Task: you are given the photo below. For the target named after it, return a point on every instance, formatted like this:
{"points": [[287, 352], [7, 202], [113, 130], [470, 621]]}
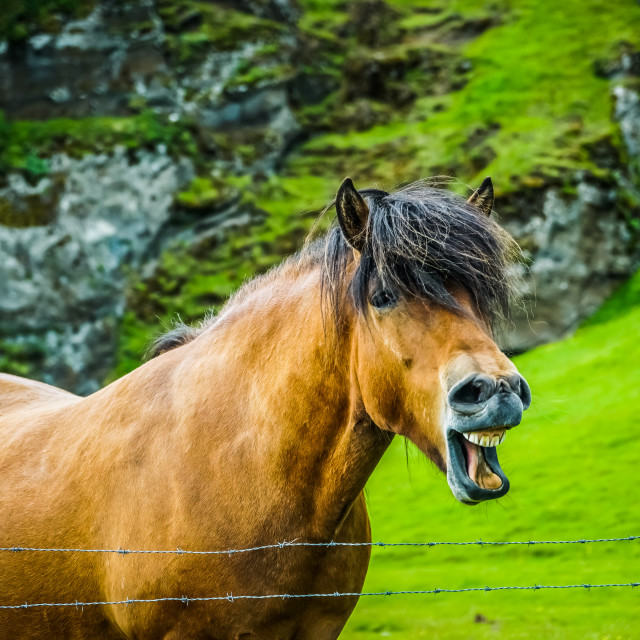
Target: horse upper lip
{"points": [[471, 409]]}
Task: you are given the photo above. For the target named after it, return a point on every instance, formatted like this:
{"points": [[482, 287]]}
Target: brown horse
{"points": [[264, 425]]}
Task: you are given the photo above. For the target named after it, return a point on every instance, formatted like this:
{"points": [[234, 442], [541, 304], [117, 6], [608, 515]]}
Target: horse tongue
{"points": [[478, 469]]}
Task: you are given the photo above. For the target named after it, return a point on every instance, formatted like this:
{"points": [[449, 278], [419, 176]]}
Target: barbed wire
{"points": [[295, 543], [284, 596]]}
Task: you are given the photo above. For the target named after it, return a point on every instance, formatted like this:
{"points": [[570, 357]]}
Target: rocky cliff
{"points": [[155, 154]]}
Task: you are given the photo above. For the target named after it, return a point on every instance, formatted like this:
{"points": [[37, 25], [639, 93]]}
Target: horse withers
{"points": [[263, 425]]}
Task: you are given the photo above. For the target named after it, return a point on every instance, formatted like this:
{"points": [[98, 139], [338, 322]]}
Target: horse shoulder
{"points": [[21, 393]]}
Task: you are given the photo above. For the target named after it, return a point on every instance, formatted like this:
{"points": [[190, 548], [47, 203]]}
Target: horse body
{"points": [[163, 459], [263, 427]]}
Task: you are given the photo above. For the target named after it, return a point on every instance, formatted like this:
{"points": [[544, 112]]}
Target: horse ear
{"points": [[483, 197], [353, 214]]}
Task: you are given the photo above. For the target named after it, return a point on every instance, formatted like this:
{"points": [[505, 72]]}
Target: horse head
{"points": [[426, 279]]}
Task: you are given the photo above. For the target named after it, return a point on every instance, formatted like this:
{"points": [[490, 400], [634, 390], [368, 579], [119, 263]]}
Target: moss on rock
{"points": [[25, 144], [255, 76], [21, 358], [19, 19], [205, 193], [196, 28], [29, 211]]}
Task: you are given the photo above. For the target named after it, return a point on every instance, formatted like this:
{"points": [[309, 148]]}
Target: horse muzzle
{"points": [[480, 410]]}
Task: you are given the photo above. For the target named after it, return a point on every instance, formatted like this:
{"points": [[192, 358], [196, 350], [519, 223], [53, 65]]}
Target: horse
{"points": [[262, 425]]}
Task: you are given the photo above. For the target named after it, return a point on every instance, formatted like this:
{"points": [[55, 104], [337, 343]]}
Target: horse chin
{"points": [[473, 471]]}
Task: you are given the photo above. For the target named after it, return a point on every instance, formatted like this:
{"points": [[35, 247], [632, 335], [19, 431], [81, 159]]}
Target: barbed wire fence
{"points": [[284, 596], [295, 543]]}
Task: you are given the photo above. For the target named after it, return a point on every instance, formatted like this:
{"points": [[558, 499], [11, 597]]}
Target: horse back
{"points": [[20, 393]]}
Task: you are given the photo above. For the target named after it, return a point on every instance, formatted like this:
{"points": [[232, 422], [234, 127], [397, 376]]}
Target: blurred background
{"points": [[156, 154]]}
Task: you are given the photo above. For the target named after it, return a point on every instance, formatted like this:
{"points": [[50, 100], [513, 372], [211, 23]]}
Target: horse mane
{"points": [[420, 240], [179, 334]]}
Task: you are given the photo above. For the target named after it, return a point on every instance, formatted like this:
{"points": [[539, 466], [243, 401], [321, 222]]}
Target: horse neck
{"points": [[274, 387]]}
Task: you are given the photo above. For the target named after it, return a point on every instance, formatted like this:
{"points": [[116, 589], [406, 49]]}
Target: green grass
{"points": [[573, 466]]}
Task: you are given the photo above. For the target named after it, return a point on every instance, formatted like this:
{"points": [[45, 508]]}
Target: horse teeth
{"points": [[485, 439], [472, 437]]}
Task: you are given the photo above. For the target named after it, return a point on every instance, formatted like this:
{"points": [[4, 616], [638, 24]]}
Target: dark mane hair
{"points": [[420, 240]]}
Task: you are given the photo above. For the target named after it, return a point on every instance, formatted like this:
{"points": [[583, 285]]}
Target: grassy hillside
{"points": [[531, 104], [386, 92], [573, 466], [466, 88]]}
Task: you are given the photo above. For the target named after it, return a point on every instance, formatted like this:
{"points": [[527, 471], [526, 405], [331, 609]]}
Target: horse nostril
{"points": [[524, 392], [518, 385], [509, 385], [473, 391], [469, 395]]}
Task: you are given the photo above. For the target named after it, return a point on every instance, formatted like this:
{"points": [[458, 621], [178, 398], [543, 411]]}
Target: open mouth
{"points": [[473, 471]]}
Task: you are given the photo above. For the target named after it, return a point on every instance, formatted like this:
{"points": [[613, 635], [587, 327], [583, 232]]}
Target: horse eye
{"points": [[383, 299]]}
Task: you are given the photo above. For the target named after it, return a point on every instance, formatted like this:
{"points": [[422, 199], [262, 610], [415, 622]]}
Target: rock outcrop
{"points": [[63, 278], [579, 249]]}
